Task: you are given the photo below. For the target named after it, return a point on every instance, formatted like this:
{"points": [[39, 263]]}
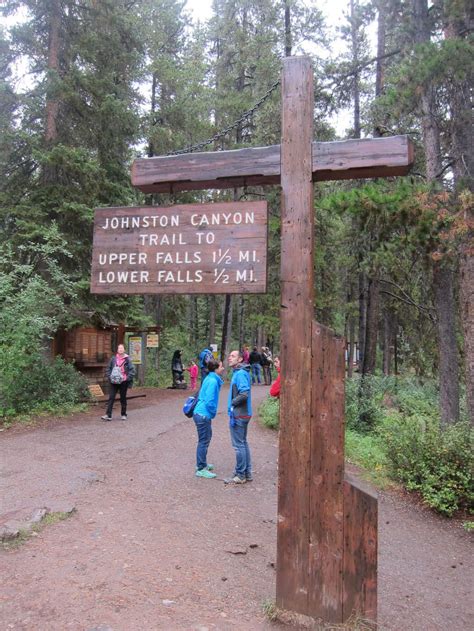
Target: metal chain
{"points": [[245, 116]]}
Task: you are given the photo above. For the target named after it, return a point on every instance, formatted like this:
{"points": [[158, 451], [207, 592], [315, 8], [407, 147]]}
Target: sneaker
{"points": [[249, 478], [124, 417], [209, 467], [205, 473], [237, 480], [106, 418]]}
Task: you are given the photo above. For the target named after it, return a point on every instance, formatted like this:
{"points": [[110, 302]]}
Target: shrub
{"points": [[269, 413], [364, 400], [436, 463]]}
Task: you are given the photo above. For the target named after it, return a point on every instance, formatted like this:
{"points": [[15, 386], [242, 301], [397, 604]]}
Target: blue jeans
{"points": [[256, 373], [204, 430], [238, 436]]}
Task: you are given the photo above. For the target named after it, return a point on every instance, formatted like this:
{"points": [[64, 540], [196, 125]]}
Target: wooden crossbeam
{"points": [[258, 166]]}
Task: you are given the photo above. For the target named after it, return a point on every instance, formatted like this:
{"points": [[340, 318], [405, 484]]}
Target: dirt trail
{"points": [[153, 547]]}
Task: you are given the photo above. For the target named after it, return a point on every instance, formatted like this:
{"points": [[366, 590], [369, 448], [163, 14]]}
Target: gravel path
{"points": [[151, 546]]}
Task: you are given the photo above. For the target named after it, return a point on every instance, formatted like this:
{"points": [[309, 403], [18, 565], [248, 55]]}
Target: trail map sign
{"points": [[190, 248], [327, 522]]}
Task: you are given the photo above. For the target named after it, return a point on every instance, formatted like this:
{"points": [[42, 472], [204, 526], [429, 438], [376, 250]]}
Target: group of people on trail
{"points": [[120, 373], [260, 361], [239, 409]]}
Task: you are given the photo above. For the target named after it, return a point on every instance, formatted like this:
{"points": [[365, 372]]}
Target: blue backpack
{"points": [[190, 404]]}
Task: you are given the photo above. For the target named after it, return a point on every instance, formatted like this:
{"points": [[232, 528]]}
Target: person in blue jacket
{"points": [[204, 412], [239, 408], [204, 356]]}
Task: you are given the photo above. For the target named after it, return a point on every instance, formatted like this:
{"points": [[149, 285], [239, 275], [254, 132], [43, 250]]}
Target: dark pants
{"points": [[114, 388], [267, 375]]}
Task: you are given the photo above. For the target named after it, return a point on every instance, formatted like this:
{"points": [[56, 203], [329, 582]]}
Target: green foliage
{"points": [[269, 412], [364, 401], [437, 463], [30, 311], [366, 450]]}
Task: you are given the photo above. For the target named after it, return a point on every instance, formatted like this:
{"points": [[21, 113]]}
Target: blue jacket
{"points": [[209, 396], [240, 398]]}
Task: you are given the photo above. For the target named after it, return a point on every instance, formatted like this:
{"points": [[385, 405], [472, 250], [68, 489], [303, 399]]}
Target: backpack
{"points": [[116, 375], [190, 405]]}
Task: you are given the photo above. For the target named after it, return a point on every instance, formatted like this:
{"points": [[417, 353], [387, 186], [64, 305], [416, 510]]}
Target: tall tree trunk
{"points": [[387, 342], [241, 321], [154, 83], [371, 330], [351, 330], [355, 61], [443, 278], [212, 319], [379, 68], [225, 326], [463, 169], [52, 100], [288, 38], [362, 317]]}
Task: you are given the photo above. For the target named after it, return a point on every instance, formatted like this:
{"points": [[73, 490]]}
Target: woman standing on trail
{"points": [[204, 412], [120, 373]]}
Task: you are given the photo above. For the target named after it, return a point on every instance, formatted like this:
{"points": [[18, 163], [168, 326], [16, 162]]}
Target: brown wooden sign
{"points": [[190, 249]]}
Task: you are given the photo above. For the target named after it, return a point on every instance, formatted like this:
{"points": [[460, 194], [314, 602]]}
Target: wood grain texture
{"points": [[360, 550], [296, 317], [258, 166], [191, 249], [327, 473]]}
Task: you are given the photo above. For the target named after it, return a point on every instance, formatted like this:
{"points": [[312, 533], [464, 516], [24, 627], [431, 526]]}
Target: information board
{"points": [[135, 349], [216, 248]]}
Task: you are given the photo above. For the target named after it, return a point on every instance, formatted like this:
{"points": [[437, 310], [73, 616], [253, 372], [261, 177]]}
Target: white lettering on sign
{"points": [[192, 248], [125, 223], [217, 219]]}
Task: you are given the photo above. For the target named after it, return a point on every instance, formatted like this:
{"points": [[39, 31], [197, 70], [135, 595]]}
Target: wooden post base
{"points": [[328, 569]]}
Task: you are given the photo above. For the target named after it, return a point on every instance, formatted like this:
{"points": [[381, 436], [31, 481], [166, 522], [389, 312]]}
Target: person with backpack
{"points": [[239, 407], [204, 412], [120, 373], [204, 357]]}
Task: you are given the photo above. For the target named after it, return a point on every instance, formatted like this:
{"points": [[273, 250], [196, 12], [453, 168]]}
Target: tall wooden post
{"points": [[296, 317], [327, 526]]}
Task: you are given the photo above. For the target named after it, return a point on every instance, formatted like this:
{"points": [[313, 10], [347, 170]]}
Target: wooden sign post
{"points": [[327, 524]]}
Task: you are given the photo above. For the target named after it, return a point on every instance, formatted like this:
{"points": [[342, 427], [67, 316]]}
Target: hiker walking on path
{"points": [[240, 412], [255, 363], [204, 412], [120, 373]]}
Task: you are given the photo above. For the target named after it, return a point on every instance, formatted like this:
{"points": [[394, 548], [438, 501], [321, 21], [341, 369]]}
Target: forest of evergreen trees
{"points": [[88, 85]]}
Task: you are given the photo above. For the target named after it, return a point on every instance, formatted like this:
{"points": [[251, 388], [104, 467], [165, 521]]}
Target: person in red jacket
{"points": [[275, 387]]}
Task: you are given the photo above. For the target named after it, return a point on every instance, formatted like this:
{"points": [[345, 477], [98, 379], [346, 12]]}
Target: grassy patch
{"points": [[26, 533], [366, 451], [39, 413]]}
